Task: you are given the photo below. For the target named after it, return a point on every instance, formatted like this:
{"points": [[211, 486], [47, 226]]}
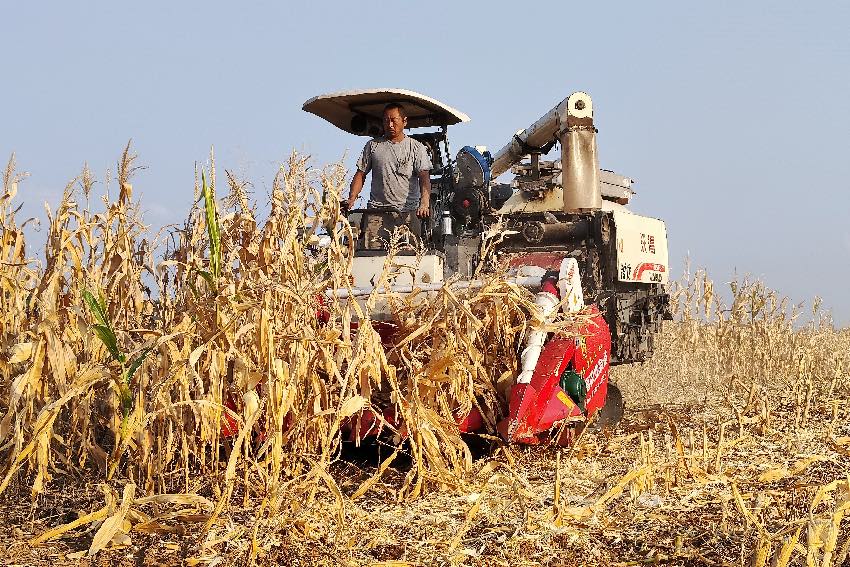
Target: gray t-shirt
{"points": [[395, 171]]}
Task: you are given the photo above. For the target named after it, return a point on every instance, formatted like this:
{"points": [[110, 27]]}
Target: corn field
{"points": [[126, 353]]}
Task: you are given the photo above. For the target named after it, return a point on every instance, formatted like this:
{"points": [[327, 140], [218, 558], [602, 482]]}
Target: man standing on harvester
{"points": [[401, 182]]}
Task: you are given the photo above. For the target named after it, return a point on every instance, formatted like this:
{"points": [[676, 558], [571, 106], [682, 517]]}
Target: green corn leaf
{"points": [[212, 227], [194, 289], [97, 308], [126, 404], [320, 267], [106, 335], [137, 362], [208, 277]]}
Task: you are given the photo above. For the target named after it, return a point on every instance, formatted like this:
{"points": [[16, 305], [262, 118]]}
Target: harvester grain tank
{"points": [[565, 231]]}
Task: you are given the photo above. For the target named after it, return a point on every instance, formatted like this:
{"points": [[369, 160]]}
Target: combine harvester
{"points": [[566, 233]]}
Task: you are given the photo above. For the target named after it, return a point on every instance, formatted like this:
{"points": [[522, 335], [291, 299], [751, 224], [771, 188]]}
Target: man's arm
{"points": [[364, 166], [356, 186], [425, 199]]}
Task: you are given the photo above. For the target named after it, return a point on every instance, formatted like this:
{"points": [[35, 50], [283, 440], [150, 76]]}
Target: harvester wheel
{"points": [[612, 412]]}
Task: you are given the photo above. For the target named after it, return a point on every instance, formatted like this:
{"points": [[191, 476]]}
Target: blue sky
{"points": [[732, 116]]}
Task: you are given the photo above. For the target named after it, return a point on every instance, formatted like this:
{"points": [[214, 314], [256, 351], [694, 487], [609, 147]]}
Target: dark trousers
{"points": [[377, 228]]}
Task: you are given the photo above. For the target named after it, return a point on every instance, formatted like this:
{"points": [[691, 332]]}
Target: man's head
{"points": [[395, 121]]}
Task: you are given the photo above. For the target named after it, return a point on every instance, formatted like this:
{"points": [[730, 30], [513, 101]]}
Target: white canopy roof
{"points": [[360, 112]]}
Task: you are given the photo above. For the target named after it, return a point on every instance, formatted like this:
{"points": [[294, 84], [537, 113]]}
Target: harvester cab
{"points": [[564, 230], [360, 113]]}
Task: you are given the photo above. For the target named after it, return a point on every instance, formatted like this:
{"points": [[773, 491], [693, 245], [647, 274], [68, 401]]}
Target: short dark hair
{"points": [[397, 106]]}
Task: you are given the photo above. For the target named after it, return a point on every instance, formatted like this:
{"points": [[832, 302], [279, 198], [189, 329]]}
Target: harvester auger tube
{"points": [[570, 122]]}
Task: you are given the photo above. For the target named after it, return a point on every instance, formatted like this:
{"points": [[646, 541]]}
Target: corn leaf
{"points": [[131, 370], [97, 307], [110, 340], [213, 232], [208, 277]]}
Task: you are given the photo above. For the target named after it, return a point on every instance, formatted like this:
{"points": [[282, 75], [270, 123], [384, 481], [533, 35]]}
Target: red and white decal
{"points": [[648, 267]]}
